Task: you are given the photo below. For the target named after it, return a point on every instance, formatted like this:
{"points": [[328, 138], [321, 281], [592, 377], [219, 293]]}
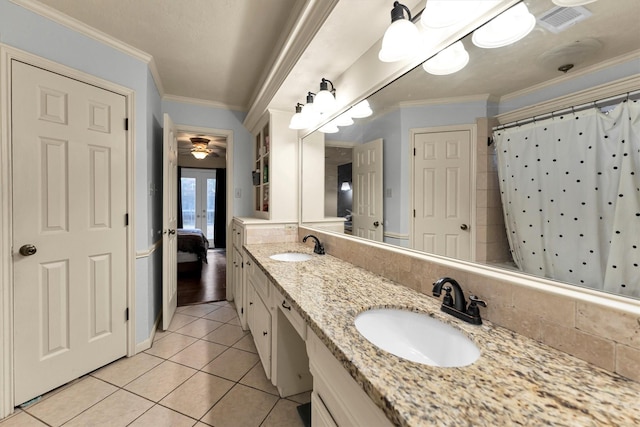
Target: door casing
{"points": [[7, 54]]}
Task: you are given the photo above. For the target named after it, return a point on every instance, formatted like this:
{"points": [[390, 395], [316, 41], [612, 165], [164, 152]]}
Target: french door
{"points": [[198, 190]]}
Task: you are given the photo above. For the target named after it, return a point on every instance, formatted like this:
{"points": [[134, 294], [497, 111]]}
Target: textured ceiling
{"points": [[214, 50]]}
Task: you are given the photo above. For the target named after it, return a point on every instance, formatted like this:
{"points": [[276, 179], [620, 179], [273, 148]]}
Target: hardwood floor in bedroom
{"points": [[210, 286]]}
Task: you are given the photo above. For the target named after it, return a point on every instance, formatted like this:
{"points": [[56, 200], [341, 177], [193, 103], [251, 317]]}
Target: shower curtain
{"points": [[570, 188]]}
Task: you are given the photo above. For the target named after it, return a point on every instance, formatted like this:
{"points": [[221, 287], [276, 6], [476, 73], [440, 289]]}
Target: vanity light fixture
{"points": [[445, 13], [361, 110], [448, 61], [505, 29], [325, 100], [200, 150], [330, 127], [309, 113], [402, 38], [344, 119], [297, 120], [572, 3]]}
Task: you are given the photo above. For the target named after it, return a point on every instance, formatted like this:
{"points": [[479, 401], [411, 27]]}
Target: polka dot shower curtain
{"points": [[571, 197]]}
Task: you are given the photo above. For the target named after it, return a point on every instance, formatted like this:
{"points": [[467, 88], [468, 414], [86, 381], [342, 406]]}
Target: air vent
{"points": [[559, 18]]}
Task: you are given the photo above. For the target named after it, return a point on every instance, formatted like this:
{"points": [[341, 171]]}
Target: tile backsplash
{"points": [[603, 336]]}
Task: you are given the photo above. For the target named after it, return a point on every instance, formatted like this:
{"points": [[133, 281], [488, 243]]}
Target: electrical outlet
{"points": [[238, 193]]}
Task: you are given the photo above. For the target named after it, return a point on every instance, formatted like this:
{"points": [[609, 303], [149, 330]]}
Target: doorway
{"points": [[203, 207]]}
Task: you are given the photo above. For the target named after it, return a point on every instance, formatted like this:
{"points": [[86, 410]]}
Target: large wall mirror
{"points": [[439, 183]]}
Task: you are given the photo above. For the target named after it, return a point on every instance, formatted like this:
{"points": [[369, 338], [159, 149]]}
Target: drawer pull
{"points": [[264, 333], [284, 305], [250, 303]]}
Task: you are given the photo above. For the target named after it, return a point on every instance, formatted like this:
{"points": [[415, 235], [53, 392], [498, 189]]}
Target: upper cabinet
{"points": [[275, 168]]}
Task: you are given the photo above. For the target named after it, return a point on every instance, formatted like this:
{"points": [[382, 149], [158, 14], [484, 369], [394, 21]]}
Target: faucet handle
{"points": [[474, 302], [448, 299]]}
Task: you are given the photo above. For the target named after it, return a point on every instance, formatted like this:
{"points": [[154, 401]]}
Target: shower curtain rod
{"points": [[600, 103]]}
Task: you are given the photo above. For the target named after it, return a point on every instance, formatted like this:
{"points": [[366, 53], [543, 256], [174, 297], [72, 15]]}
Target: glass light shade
{"points": [[401, 41], [444, 13], [310, 115], [505, 29], [360, 110], [448, 61], [343, 119], [329, 128], [298, 122], [324, 102], [572, 3], [199, 154], [345, 186]]}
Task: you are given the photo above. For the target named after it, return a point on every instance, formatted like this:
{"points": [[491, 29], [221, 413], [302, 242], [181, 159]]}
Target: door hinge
{"points": [[126, 314], [126, 124], [126, 219]]}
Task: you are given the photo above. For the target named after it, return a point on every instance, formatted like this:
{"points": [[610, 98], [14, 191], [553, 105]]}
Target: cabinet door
{"points": [[320, 416], [259, 319], [238, 286]]}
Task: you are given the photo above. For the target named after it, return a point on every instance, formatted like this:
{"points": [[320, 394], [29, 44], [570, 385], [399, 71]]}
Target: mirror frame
{"points": [[610, 300]]}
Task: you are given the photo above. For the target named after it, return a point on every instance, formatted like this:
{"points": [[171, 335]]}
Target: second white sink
{"points": [[416, 337], [291, 257]]}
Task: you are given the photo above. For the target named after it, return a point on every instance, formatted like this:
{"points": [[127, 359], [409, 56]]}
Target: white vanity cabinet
{"points": [[259, 312], [337, 400], [237, 271]]}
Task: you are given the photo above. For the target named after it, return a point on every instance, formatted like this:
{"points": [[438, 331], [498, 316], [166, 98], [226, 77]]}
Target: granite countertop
{"points": [[516, 380]]}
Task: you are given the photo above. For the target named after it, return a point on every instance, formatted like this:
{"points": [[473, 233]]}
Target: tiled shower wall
{"points": [[603, 336]]}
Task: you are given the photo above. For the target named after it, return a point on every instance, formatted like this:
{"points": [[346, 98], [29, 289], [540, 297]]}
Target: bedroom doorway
{"points": [[202, 216]]}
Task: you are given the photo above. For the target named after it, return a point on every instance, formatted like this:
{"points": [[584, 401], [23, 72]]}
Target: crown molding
{"points": [[203, 102], [81, 27], [606, 90], [570, 76], [485, 97], [312, 17]]}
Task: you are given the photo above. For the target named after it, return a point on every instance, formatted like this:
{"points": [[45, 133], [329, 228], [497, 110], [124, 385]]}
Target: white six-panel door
{"points": [[367, 191], [169, 222], [69, 206], [442, 198]]}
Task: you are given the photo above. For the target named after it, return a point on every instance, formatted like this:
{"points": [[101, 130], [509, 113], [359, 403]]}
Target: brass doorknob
{"points": [[27, 250]]}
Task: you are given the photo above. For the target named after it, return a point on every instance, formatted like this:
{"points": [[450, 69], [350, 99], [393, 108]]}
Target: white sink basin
{"points": [[291, 257], [416, 337]]}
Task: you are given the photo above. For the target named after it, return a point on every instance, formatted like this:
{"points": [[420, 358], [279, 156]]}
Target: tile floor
{"points": [[203, 371]]}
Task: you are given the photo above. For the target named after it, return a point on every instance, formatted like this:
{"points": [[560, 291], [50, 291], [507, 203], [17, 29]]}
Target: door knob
{"points": [[464, 227], [172, 231], [27, 250], [375, 224]]}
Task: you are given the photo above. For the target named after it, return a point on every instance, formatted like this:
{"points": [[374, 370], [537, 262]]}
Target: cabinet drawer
{"points": [[258, 278]]}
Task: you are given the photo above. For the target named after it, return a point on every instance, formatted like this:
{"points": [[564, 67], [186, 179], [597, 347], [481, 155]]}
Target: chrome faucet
{"points": [[455, 304], [318, 248]]}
